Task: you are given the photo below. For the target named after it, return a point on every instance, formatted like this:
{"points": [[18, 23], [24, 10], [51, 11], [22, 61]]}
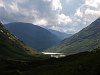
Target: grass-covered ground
{"points": [[86, 63]]}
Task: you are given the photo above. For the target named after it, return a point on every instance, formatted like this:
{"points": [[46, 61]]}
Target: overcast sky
{"points": [[68, 16]]}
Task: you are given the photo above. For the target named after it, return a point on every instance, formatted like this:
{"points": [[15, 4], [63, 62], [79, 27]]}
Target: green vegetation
{"points": [[85, 63], [13, 48]]}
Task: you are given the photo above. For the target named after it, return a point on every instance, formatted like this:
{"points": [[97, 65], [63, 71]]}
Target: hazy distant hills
{"points": [[85, 40], [33, 35], [12, 48], [59, 34]]}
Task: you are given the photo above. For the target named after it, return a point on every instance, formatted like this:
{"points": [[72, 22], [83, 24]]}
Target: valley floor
{"points": [[85, 63]]}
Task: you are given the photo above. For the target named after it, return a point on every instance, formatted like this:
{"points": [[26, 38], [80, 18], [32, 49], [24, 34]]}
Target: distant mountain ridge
{"points": [[85, 40], [33, 35], [59, 34]]}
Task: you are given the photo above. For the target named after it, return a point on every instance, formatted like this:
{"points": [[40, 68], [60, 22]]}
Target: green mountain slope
{"points": [[85, 40], [11, 47]]}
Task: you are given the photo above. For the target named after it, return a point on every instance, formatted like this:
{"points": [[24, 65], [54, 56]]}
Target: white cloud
{"points": [[56, 5], [92, 3], [64, 19], [1, 3], [87, 12], [14, 7], [93, 9], [79, 13], [92, 12], [41, 22], [47, 0], [63, 15]]}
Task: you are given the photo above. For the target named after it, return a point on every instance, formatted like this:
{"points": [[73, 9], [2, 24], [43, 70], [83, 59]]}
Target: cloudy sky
{"points": [[68, 16]]}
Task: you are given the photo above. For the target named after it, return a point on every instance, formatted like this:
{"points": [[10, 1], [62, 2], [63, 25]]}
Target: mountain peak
{"points": [[96, 22]]}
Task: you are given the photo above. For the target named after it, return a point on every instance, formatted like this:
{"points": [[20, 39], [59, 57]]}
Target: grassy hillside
{"points": [[85, 40], [11, 47], [85, 63]]}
